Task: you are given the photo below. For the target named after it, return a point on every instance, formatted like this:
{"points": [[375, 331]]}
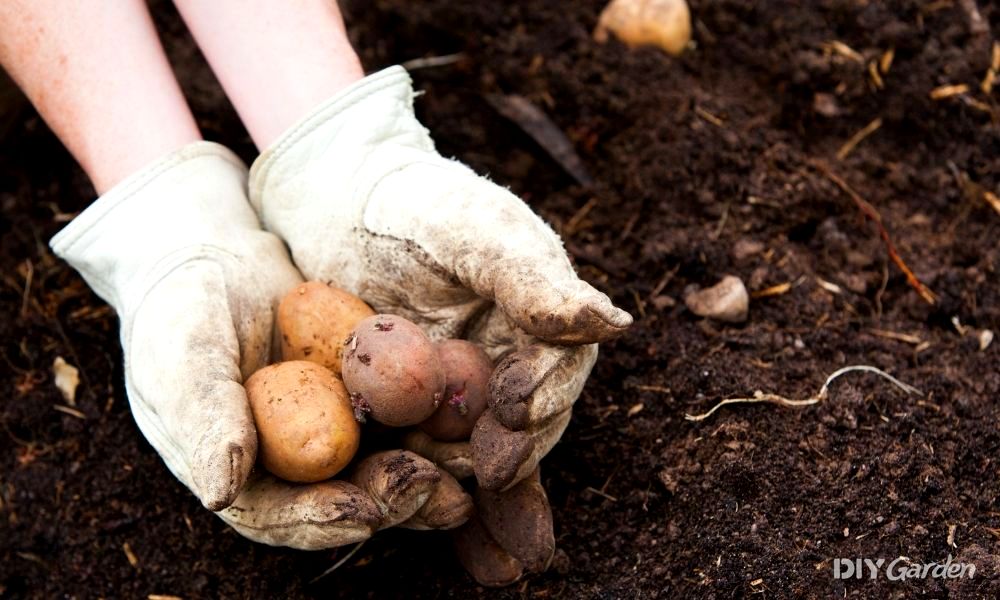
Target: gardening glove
{"points": [[179, 254], [511, 533], [498, 536], [365, 203]]}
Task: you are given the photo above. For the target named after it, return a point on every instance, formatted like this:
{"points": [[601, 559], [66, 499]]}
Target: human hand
{"points": [[179, 254], [365, 203]]}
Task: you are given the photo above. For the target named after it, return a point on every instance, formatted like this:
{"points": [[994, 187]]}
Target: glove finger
{"points": [[534, 383], [503, 457], [453, 457], [447, 508], [488, 563], [307, 517], [398, 481], [183, 377], [520, 520], [472, 229]]}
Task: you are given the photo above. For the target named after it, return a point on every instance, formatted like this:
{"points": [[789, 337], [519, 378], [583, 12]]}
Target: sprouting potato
{"points": [[467, 372], [314, 318], [392, 371], [305, 424]]}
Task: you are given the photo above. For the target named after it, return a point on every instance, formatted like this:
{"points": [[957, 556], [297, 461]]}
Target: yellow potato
{"points": [[314, 319], [306, 429]]}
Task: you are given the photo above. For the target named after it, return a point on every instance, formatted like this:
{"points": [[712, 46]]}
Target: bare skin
{"points": [[97, 74], [276, 62]]}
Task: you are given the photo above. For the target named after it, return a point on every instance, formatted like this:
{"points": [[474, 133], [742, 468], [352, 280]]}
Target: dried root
{"points": [[760, 396]]}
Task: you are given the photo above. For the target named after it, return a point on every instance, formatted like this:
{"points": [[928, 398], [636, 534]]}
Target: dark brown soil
{"points": [[693, 160]]}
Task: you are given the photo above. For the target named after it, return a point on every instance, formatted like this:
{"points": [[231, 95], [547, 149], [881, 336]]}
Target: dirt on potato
{"points": [[702, 166]]}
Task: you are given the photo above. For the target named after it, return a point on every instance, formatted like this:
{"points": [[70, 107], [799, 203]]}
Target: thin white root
{"points": [[760, 396], [339, 563]]}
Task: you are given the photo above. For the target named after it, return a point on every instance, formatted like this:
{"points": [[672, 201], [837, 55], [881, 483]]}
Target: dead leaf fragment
{"points": [[537, 124], [67, 378]]}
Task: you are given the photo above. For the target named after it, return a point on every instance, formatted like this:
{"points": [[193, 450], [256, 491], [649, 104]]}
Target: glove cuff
{"points": [[180, 200], [339, 133]]}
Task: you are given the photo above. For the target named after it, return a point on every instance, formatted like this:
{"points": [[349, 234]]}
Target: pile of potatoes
{"points": [[342, 364]]}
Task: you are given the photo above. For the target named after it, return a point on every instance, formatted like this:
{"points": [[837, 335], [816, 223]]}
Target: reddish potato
{"points": [[305, 426], [467, 372], [392, 371], [314, 319]]}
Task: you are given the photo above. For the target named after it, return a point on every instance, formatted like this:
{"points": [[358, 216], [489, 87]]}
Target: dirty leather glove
{"points": [[364, 202], [510, 534], [178, 252]]}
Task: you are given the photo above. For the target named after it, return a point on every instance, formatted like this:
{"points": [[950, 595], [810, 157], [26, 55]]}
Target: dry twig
{"points": [[947, 91], [540, 127], [760, 396], [426, 62], [872, 213], [991, 74], [858, 137]]}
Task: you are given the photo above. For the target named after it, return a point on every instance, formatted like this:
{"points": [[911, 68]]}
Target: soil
{"points": [[702, 166]]}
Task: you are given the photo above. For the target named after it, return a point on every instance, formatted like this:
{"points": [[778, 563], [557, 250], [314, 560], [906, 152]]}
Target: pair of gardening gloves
{"points": [[358, 196]]}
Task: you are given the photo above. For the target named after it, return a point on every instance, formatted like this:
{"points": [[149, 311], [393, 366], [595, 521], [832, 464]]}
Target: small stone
{"points": [[725, 301], [745, 248], [663, 301], [826, 104], [855, 282], [985, 339]]}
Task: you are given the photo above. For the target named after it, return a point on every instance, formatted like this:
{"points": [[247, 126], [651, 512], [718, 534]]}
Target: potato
{"points": [[467, 372], [305, 425], [662, 23], [392, 371], [314, 319]]}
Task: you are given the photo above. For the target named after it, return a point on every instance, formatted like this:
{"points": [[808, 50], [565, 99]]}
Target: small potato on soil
{"points": [[314, 318], [305, 424], [467, 374], [392, 371]]}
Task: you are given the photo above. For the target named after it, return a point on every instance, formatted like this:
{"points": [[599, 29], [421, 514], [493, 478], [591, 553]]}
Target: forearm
{"points": [[277, 61], [96, 73]]}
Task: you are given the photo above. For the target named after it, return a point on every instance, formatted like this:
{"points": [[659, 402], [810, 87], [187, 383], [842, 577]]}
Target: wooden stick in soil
{"points": [[821, 395], [872, 213]]}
